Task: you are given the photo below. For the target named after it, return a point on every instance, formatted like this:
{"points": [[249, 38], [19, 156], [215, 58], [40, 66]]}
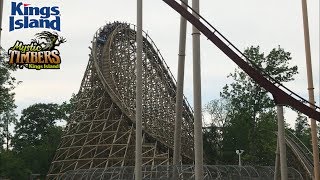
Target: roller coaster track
{"points": [[281, 94], [301, 152], [100, 133]]}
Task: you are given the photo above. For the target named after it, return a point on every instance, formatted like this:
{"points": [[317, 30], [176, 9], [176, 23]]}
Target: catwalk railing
{"points": [[281, 94]]}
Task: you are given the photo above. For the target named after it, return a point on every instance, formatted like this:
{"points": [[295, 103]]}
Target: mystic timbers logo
{"points": [[28, 16], [41, 53]]}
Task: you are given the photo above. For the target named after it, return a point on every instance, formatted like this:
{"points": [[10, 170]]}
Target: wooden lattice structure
{"points": [[101, 130]]}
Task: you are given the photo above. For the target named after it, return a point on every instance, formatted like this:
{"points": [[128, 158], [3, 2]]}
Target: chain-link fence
{"points": [[185, 172]]}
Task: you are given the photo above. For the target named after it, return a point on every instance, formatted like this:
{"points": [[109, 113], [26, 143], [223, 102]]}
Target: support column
{"points": [[198, 141], [282, 143], [277, 163], [179, 93], [138, 153], [315, 148]]}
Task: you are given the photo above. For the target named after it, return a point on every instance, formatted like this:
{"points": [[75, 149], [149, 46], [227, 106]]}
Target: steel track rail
{"points": [[281, 94]]}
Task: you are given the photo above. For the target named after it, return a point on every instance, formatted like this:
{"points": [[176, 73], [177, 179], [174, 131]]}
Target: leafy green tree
{"points": [[7, 105], [33, 159], [35, 123], [252, 119], [8, 118], [38, 158], [37, 135], [12, 166], [211, 144], [218, 112], [303, 131], [213, 133], [67, 107]]}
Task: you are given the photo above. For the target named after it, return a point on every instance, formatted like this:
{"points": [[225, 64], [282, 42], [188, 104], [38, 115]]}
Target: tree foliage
{"points": [[37, 135], [35, 124], [213, 134], [250, 119], [7, 105], [12, 166], [303, 131], [7, 84]]}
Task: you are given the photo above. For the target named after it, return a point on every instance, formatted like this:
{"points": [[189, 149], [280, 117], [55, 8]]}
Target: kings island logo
{"points": [[41, 53], [27, 16]]}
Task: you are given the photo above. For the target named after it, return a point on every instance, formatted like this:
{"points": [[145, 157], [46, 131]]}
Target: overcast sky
{"points": [[267, 23]]}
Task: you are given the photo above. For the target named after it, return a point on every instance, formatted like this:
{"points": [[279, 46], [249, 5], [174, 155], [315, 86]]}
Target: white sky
{"points": [[245, 23]]}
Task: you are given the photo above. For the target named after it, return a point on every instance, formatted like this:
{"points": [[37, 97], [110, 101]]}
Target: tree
{"points": [[7, 106], [213, 134], [8, 118], [252, 119], [37, 135], [37, 158], [68, 107], [35, 123], [12, 166], [302, 130], [218, 111]]}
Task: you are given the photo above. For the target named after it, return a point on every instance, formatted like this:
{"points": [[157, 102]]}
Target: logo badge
{"points": [[41, 53], [28, 16]]}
